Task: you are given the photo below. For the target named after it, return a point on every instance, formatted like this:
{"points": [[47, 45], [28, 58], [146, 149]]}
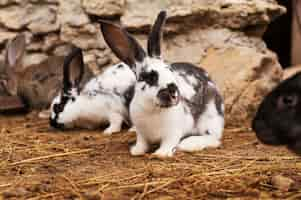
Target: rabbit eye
{"points": [[287, 101], [151, 78]]}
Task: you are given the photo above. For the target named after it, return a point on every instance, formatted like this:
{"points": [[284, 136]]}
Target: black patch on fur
{"points": [[151, 78], [187, 69], [218, 103], [143, 87], [120, 66], [57, 109]]}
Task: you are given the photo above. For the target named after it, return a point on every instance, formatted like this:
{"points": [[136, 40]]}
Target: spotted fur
{"points": [[176, 105], [103, 100]]}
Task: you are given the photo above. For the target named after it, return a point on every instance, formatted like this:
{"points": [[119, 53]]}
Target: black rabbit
{"points": [[278, 119]]}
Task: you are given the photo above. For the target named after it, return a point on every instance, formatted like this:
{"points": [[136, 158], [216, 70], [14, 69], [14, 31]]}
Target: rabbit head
{"points": [[12, 66], [278, 119], [156, 83], [63, 106]]}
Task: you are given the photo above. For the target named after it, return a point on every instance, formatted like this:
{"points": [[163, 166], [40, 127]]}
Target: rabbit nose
{"points": [[172, 88]]}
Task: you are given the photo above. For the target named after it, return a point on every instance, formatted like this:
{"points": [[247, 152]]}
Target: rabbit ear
{"points": [[123, 45], [15, 51], [73, 69], [155, 36]]}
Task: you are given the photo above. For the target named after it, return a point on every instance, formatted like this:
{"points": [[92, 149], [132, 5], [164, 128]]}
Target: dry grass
{"points": [[37, 163]]}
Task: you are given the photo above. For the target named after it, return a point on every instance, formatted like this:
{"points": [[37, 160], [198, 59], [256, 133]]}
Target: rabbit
{"points": [[103, 100], [175, 105], [37, 84], [278, 118]]}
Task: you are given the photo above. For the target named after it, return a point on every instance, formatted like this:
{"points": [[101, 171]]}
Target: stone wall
{"points": [[224, 36]]}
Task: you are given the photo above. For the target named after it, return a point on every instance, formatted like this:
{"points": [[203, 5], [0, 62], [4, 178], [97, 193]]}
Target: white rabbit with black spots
{"points": [[175, 105], [103, 100]]}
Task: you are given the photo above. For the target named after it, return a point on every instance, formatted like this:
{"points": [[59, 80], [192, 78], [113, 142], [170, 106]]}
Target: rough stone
{"points": [[97, 59], [35, 45], [37, 18], [44, 44], [62, 50], [43, 19], [220, 13], [51, 41], [244, 77], [34, 58], [13, 17], [192, 46], [71, 13], [104, 8], [85, 37]]}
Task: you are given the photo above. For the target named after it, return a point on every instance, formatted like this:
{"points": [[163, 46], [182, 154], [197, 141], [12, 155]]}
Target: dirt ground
{"points": [[39, 163]]}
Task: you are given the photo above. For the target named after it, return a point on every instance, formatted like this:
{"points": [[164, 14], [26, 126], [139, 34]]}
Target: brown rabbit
{"points": [[36, 84]]}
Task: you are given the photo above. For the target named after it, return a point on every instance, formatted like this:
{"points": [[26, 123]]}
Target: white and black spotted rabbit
{"points": [[103, 100], [175, 105]]}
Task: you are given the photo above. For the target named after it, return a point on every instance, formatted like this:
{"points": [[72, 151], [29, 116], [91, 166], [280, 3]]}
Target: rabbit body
{"points": [[175, 105], [196, 122], [278, 119], [103, 100]]}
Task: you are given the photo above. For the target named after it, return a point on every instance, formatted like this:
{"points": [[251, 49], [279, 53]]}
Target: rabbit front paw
{"points": [[164, 152]]}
